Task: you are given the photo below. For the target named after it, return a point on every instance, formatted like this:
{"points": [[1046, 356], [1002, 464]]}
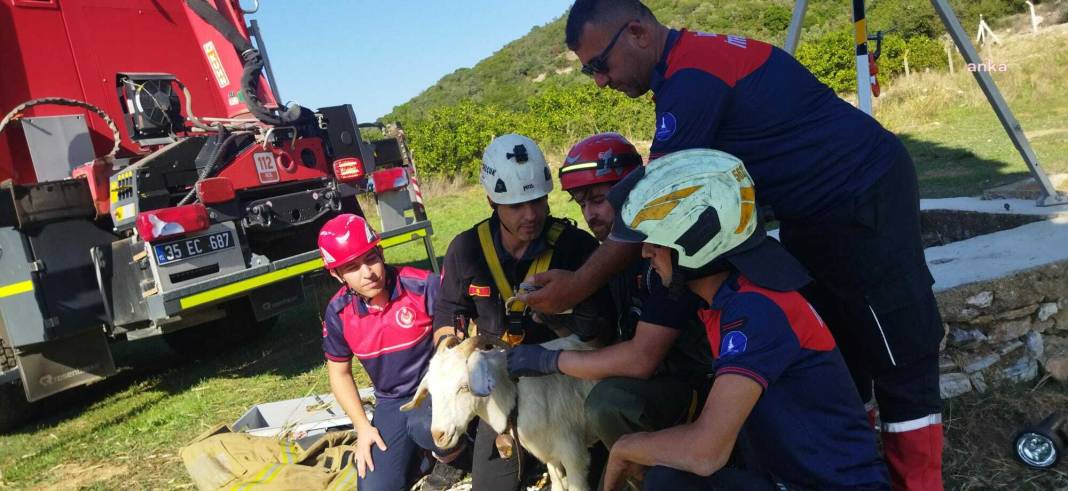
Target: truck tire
{"points": [[239, 326], [14, 408], [7, 356]]}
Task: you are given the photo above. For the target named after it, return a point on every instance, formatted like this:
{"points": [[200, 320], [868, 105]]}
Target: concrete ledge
{"points": [[1014, 206], [1000, 254]]}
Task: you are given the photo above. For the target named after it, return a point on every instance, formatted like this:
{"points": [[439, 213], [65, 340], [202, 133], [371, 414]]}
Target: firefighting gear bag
{"points": [[222, 460]]}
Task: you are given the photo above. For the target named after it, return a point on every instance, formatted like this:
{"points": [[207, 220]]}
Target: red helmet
{"points": [[601, 158], [345, 238]]}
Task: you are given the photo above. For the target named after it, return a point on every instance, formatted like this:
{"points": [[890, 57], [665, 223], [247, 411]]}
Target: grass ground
{"points": [[125, 432], [959, 145]]}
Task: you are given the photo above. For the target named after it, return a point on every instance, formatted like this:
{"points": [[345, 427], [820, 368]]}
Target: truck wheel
{"points": [[7, 356], [14, 408], [239, 326]]}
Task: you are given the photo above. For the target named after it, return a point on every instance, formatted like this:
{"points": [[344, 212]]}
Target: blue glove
{"points": [[531, 360]]}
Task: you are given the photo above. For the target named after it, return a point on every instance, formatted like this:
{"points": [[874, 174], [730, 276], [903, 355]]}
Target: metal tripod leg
{"points": [[793, 36], [430, 253], [1050, 195], [860, 30]]}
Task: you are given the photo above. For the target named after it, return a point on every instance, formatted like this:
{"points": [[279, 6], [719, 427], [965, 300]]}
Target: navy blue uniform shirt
{"points": [[809, 426], [805, 148]]}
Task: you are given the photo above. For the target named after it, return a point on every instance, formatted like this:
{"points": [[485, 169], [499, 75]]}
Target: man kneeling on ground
{"points": [[382, 316], [782, 393], [654, 377]]}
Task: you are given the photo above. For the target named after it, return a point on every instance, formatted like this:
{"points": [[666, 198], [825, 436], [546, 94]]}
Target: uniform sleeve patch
{"points": [[474, 290], [733, 343], [666, 124]]}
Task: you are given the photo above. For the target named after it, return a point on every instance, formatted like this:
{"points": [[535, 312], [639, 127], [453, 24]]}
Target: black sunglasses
{"points": [[598, 64]]}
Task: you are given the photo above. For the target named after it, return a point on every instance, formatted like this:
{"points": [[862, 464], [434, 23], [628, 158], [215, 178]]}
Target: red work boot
{"points": [[913, 451]]}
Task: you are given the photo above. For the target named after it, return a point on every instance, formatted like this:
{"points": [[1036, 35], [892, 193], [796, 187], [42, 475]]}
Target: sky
{"points": [[376, 55]]}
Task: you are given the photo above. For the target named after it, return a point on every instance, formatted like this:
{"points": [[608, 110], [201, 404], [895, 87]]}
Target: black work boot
{"points": [[446, 475], [443, 477]]}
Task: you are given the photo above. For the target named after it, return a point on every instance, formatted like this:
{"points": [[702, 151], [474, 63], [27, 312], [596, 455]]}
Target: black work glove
{"points": [[531, 360]]}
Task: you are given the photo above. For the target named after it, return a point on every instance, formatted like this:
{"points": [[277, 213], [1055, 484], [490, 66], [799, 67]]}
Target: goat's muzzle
{"points": [[444, 439]]}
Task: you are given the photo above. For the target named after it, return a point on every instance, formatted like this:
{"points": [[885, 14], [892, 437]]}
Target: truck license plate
{"points": [[196, 246]]}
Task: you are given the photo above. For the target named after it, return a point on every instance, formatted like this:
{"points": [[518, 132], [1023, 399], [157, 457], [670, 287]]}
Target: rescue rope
{"points": [[15, 113]]}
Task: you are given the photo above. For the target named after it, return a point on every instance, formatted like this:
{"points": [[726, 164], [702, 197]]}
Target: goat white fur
{"points": [[550, 422]]}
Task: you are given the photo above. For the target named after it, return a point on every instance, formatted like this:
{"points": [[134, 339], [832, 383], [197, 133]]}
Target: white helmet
{"points": [[514, 170], [702, 204]]}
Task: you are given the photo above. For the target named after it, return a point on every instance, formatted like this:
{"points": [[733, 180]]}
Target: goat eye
{"points": [[463, 388]]}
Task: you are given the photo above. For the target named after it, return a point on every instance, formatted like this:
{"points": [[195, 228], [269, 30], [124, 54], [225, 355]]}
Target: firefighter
{"points": [[382, 316], [485, 265], [777, 371], [842, 187], [654, 377]]}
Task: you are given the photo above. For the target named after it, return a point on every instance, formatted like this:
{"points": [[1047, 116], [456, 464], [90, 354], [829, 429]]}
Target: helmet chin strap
{"points": [[680, 275], [677, 287]]}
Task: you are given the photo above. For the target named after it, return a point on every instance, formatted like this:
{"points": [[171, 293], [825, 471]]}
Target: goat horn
{"points": [[469, 345], [491, 340], [447, 342]]}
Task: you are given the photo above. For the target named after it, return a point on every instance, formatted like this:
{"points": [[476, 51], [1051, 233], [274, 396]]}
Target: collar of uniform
{"points": [[392, 284], [661, 67], [726, 290], [539, 245]]}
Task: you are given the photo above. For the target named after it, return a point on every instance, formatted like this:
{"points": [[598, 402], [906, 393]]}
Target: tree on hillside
{"points": [[532, 85]]}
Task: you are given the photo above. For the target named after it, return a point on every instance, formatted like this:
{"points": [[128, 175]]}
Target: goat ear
{"points": [[480, 374], [418, 398]]}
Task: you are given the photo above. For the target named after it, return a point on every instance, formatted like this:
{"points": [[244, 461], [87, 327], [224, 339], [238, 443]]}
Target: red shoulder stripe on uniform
{"points": [[726, 57], [811, 331], [710, 318]]}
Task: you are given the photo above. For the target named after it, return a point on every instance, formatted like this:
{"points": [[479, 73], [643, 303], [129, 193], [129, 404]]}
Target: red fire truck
{"points": [[150, 184]]}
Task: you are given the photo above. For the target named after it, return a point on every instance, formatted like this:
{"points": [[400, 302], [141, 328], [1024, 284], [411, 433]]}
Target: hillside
{"points": [[539, 60], [533, 86]]}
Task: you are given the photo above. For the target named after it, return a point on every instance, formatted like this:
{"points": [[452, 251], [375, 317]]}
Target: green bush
{"points": [[449, 141], [499, 94], [830, 58], [925, 53], [891, 62], [560, 116]]}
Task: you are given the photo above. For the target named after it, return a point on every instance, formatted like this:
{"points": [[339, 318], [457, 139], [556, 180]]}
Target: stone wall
{"points": [[1008, 330]]}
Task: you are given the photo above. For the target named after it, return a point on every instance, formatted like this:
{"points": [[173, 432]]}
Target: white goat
{"points": [[470, 378]]}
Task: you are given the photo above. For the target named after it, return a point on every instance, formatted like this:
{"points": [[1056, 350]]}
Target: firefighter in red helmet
{"points": [[590, 169], [381, 315], [654, 376]]}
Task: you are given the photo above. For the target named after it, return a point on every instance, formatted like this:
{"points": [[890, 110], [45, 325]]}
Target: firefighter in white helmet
{"points": [[486, 264]]}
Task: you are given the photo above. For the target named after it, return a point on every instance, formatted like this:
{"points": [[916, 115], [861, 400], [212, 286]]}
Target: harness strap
{"points": [[540, 264], [485, 239]]}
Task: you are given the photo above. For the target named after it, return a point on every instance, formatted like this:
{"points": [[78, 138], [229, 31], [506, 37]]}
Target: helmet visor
{"points": [[617, 196]]}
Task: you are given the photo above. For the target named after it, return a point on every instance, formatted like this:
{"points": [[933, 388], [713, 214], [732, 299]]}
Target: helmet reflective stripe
{"points": [[659, 208], [604, 158], [699, 202], [572, 168], [514, 170]]}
